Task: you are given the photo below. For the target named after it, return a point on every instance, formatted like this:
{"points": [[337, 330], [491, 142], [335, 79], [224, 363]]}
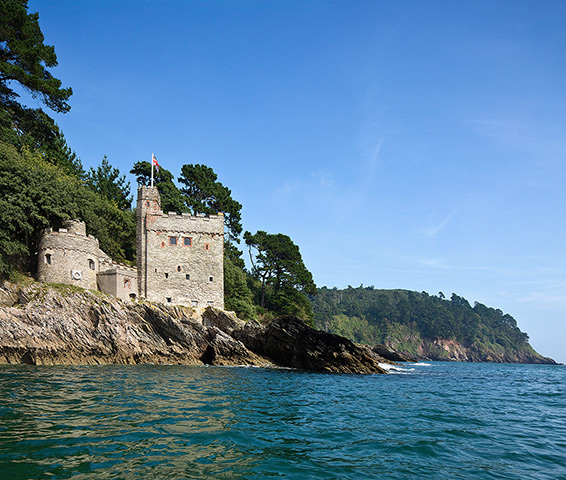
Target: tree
{"points": [[171, 198], [237, 295], [278, 265], [107, 182], [204, 194], [25, 59], [37, 194]]}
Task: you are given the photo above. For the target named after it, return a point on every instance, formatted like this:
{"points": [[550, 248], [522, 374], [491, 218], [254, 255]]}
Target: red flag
{"points": [[155, 162]]}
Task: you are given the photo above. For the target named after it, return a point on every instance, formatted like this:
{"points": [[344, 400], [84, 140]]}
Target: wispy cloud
{"points": [[436, 228]]}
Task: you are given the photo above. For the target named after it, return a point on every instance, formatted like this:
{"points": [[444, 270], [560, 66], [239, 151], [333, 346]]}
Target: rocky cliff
{"points": [[451, 350], [41, 324]]}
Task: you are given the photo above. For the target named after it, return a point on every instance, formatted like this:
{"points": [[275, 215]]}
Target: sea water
{"points": [[422, 421]]}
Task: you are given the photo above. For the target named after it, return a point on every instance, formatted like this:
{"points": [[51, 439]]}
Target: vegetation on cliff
{"points": [[423, 325]]}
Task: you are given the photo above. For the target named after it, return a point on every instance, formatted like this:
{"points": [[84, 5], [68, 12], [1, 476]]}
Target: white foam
{"points": [[395, 369]]}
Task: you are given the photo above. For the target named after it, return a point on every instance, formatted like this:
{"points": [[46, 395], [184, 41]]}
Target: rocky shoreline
{"points": [[60, 325]]}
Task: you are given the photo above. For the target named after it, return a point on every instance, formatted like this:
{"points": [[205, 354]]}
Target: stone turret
{"points": [[70, 256]]}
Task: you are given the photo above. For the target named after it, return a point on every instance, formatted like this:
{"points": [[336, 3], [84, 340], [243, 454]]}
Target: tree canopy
{"points": [[171, 198], [107, 181], [205, 194], [36, 195], [25, 59], [278, 265], [401, 317]]}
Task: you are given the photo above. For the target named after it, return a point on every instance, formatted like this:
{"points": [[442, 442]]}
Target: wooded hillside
{"points": [[421, 325]]}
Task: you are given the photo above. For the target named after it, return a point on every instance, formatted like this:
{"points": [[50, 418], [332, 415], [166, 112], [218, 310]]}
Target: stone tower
{"points": [[70, 256], [180, 258]]}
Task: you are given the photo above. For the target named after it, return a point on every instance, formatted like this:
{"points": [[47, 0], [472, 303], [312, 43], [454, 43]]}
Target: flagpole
{"points": [[152, 170]]}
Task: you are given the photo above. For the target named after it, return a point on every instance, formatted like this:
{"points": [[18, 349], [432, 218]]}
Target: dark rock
{"points": [[390, 354], [289, 342]]}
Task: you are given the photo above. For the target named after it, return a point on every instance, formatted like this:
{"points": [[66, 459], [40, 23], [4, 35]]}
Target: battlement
{"points": [[66, 232], [190, 215], [179, 257]]}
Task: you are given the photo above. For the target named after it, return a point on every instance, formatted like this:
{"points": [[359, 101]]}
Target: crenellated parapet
{"points": [[70, 256]]}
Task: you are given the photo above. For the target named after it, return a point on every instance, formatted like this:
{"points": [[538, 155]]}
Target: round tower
{"points": [[69, 256]]}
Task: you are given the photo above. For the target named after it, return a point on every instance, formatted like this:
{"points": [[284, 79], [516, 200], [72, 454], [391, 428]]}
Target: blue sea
{"points": [[422, 421]]}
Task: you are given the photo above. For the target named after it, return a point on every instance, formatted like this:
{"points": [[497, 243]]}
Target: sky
{"points": [[401, 144]]}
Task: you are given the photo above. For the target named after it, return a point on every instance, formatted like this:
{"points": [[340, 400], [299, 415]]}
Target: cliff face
{"points": [[451, 350], [40, 324]]}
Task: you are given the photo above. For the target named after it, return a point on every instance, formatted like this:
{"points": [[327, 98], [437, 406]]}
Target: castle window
{"points": [[210, 302], [166, 275], [187, 276], [195, 303], [168, 299], [147, 204], [211, 279], [91, 264], [187, 241], [172, 241], [48, 258], [207, 246], [179, 268], [127, 283], [133, 296]]}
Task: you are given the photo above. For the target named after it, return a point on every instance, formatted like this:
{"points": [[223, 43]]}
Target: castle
{"points": [[180, 258]]}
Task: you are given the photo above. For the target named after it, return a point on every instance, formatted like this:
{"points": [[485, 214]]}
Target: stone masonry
{"points": [[70, 256], [180, 258]]}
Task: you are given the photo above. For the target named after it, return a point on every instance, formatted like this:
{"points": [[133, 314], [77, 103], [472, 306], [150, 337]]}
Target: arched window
{"points": [[91, 264]]}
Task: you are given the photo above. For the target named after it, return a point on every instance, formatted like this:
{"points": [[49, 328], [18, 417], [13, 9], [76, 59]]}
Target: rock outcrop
{"points": [[441, 349], [391, 354], [42, 324]]}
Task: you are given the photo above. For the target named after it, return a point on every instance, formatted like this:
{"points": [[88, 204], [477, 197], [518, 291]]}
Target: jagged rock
{"points": [[288, 341], [66, 326], [390, 354], [225, 321], [7, 295]]}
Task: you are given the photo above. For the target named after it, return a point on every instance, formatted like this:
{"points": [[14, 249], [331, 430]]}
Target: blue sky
{"points": [[417, 145]]}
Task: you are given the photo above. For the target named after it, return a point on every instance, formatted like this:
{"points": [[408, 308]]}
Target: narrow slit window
{"points": [[91, 264], [211, 279], [166, 275], [207, 246], [187, 276], [179, 268], [48, 259]]}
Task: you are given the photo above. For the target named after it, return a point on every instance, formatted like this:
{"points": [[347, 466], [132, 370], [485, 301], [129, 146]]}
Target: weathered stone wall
{"points": [[148, 203], [70, 257], [181, 258], [120, 281]]}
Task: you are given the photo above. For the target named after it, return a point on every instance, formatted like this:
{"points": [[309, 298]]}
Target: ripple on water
{"points": [[431, 420]]}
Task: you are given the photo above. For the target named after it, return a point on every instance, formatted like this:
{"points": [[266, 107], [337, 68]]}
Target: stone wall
{"points": [[70, 257], [182, 258], [120, 281]]}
